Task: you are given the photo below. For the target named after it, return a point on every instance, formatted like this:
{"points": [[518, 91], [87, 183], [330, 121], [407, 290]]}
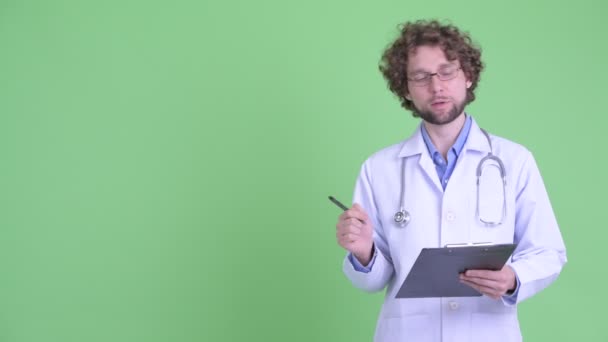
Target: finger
{"points": [[352, 215], [482, 282], [483, 274], [349, 238], [488, 291], [349, 230], [354, 223], [344, 225], [498, 287], [347, 235], [346, 245], [504, 278], [359, 209]]}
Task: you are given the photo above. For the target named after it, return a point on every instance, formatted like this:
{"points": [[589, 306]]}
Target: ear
{"points": [[469, 83], [408, 97]]}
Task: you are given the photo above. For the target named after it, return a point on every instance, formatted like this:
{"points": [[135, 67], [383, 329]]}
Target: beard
{"points": [[435, 119]]}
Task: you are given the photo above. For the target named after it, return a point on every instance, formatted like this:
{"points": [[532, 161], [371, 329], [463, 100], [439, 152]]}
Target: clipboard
{"points": [[435, 272]]}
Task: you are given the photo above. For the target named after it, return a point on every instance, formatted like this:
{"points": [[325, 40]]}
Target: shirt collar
{"points": [[415, 144], [458, 144]]}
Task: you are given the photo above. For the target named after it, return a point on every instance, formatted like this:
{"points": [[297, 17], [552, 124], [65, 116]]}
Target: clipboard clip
{"points": [[469, 244]]}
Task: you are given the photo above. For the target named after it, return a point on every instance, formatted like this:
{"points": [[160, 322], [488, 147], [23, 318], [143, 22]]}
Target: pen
{"points": [[336, 202]]}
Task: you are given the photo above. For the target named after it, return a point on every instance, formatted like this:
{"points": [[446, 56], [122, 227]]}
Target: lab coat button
{"points": [[453, 305], [450, 216]]}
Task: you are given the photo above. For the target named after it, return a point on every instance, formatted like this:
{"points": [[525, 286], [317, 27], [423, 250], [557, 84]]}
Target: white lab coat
{"points": [[439, 218]]}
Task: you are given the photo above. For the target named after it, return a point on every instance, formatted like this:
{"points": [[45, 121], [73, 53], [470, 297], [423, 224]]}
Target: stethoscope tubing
{"points": [[403, 217]]}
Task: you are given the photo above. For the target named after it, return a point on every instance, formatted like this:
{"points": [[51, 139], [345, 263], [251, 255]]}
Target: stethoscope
{"points": [[403, 217]]}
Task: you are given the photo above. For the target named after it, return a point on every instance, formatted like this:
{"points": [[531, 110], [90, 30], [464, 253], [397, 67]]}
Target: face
{"points": [[439, 102]]}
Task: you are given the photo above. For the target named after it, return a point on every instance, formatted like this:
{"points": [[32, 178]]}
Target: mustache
{"points": [[440, 98]]}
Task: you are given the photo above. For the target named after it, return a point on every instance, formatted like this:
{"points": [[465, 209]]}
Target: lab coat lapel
{"points": [[476, 140], [476, 144], [415, 145], [426, 163]]}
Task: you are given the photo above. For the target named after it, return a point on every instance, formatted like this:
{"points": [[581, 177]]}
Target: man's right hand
{"points": [[354, 232]]}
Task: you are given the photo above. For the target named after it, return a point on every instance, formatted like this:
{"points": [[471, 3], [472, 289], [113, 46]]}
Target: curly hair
{"points": [[455, 44]]}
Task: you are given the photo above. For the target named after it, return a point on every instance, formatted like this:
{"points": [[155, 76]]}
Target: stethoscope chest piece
{"points": [[402, 218]]}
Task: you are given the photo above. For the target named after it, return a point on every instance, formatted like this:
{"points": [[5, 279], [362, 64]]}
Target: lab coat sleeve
{"points": [[540, 253], [380, 270]]}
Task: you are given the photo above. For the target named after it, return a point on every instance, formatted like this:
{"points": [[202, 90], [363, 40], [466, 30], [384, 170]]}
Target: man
{"points": [[434, 70]]}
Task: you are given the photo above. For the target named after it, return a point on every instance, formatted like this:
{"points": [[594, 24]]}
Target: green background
{"points": [[165, 166]]}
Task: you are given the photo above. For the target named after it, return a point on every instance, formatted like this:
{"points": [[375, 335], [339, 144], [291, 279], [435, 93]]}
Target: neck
{"points": [[444, 136]]}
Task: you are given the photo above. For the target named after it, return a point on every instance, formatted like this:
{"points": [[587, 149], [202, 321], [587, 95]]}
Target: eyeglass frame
{"points": [[429, 76]]}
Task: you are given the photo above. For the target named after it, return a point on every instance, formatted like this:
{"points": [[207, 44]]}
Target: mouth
{"points": [[440, 103]]}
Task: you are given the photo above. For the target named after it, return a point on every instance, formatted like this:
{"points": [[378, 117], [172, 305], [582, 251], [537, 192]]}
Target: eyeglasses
{"points": [[421, 79]]}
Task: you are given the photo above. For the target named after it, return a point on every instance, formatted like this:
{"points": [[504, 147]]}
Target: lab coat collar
{"points": [[414, 145], [477, 140]]}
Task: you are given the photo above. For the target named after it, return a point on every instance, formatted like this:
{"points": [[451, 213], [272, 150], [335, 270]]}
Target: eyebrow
{"points": [[441, 66]]}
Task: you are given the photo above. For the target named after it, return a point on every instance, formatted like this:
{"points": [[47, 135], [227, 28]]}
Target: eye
{"points": [[447, 72], [419, 76]]}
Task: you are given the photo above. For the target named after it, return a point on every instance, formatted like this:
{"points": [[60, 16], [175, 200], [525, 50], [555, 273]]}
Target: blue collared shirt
{"points": [[445, 168]]}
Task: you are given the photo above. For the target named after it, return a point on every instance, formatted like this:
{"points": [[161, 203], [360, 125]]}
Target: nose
{"points": [[435, 84]]}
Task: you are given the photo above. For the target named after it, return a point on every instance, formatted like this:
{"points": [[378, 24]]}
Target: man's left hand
{"points": [[493, 284]]}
